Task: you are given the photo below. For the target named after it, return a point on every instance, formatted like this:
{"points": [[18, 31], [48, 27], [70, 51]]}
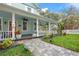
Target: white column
{"points": [[49, 30], [37, 31], [13, 26]]}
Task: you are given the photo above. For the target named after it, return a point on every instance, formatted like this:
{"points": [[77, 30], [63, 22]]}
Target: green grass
{"points": [[68, 41], [16, 51]]}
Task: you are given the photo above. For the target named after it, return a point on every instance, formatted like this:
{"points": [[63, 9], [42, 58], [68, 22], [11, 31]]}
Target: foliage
{"points": [[6, 43], [60, 28], [53, 16], [18, 31], [48, 36], [63, 33], [71, 11], [71, 18], [16, 51]]}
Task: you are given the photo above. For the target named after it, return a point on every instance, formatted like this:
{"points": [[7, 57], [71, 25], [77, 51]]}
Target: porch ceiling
{"points": [[11, 9]]}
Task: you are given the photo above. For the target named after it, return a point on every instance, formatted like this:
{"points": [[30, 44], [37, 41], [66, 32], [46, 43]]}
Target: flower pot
{"points": [[18, 36]]}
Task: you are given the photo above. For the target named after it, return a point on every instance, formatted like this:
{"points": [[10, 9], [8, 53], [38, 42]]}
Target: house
{"points": [[24, 17]]}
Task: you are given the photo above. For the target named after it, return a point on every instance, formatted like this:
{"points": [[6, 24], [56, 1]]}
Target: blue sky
{"points": [[55, 7]]}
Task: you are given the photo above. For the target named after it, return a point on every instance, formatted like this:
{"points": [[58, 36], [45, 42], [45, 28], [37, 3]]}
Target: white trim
{"points": [[37, 25], [13, 26]]}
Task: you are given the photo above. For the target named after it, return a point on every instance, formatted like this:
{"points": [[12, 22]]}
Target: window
{"points": [[0, 24], [25, 24]]}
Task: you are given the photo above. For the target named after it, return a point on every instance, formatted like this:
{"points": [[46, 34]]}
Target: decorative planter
{"points": [[18, 36]]}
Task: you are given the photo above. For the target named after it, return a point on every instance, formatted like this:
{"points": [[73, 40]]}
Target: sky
{"points": [[56, 7]]}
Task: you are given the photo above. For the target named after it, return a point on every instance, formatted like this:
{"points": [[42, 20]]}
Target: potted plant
{"points": [[18, 33]]}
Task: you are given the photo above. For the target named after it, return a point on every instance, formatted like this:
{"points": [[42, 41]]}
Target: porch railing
{"points": [[5, 34]]}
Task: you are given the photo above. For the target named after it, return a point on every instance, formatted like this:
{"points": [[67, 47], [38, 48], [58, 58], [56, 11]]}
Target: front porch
{"points": [[28, 24]]}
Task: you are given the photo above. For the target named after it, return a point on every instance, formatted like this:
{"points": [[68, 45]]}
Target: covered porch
{"points": [[12, 19]]}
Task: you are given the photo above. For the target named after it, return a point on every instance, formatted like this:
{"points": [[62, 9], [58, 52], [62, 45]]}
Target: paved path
{"points": [[40, 48]]}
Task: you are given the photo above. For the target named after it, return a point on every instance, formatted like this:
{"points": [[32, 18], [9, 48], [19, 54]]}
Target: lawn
{"points": [[68, 41], [16, 51]]}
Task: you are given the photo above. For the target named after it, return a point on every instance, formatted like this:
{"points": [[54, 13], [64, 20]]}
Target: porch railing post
{"points": [[13, 26], [37, 30]]}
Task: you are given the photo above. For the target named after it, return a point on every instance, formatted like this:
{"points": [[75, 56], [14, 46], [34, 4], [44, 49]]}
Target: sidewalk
{"points": [[41, 48]]}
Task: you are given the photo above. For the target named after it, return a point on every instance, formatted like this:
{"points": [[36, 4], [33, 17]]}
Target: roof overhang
{"points": [[7, 8]]}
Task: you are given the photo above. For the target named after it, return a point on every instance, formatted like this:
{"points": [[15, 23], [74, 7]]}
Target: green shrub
{"points": [[63, 33], [51, 35], [48, 36], [7, 42]]}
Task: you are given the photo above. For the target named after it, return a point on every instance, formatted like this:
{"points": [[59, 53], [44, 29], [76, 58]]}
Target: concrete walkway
{"points": [[41, 48]]}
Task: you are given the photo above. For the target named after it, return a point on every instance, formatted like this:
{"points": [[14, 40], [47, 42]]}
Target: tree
{"points": [[71, 18], [52, 15], [60, 27]]}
